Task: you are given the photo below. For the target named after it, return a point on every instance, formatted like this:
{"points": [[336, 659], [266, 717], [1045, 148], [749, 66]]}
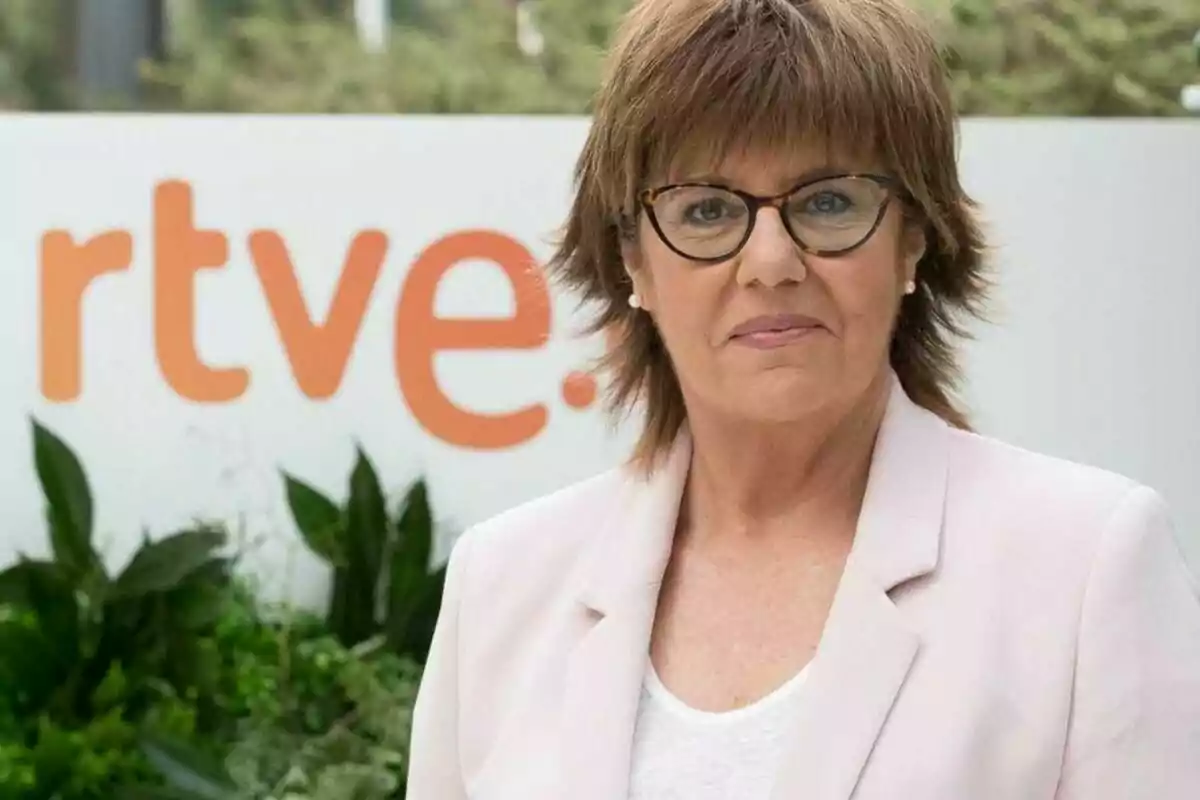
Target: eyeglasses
{"points": [[827, 216]]}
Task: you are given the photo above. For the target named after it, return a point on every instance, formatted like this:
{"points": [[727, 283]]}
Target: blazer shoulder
{"points": [[996, 453], [1010, 482]]}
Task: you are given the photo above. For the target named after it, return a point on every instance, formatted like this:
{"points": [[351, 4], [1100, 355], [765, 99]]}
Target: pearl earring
{"points": [[910, 287], [634, 300]]}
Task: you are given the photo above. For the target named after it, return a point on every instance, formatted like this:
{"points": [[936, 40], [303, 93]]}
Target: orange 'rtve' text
{"points": [[318, 352]]}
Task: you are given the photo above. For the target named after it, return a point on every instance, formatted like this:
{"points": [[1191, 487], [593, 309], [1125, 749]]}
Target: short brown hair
{"points": [[707, 76]]}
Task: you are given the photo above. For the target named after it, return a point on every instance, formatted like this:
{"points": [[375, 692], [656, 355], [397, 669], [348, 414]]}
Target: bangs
{"points": [[774, 119], [765, 76]]}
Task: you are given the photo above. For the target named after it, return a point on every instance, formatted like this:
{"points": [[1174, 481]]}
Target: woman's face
{"points": [[772, 333]]}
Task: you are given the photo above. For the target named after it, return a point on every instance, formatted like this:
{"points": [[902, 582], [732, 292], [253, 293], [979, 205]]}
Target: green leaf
{"points": [[68, 501], [162, 565], [339, 600], [216, 572], [414, 530], [184, 767], [197, 605], [367, 515], [415, 638], [20, 582], [367, 528], [318, 519], [410, 565]]}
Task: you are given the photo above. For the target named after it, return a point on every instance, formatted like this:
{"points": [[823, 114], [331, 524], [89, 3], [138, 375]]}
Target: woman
{"points": [[812, 580]]}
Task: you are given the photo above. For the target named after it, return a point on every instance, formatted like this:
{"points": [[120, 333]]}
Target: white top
{"points": [[681, 753]]}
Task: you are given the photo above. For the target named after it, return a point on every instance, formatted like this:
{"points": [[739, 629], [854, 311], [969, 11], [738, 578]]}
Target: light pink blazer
{"points": [[1008, 627]]}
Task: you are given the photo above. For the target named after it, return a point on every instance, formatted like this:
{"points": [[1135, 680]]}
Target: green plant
{"points": [[383, 580], [1007, 57], [87, 659], [1093, 58], [280, 668], [33, 73], [449, 56], [361, 755]]}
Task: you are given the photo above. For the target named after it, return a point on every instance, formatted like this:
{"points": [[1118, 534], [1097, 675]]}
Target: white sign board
{"points": [[196, 303]]}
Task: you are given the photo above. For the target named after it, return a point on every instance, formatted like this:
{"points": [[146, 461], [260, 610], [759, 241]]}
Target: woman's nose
{"points": [[770, 257]]}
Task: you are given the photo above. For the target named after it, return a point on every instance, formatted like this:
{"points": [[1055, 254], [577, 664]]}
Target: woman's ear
{"points": [[637, 286], [638, 294]]}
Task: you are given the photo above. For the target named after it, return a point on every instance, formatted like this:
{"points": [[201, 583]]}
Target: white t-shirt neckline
{"points": [[658, 690]]}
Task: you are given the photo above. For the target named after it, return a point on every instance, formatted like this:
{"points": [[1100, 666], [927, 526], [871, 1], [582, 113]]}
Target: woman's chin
{"points": [[781, 399]]}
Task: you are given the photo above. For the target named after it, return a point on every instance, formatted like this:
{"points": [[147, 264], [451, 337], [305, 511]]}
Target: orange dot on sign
{"points": [[579, 389]]}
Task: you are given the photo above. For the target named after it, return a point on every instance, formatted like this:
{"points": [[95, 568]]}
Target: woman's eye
{"points": [[711, 210], [827, 203]]}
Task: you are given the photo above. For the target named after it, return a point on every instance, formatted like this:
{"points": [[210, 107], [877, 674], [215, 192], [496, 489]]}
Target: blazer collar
{"points": [[899, 525], [634, 545]]}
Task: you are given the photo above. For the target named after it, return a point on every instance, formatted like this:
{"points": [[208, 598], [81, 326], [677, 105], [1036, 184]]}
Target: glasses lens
{"points": [[835, 214], [701, 221]]}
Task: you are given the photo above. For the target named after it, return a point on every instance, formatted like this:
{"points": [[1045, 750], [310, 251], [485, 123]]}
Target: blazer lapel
{"points": [[618, 601], [858, 671], [866, 650]]}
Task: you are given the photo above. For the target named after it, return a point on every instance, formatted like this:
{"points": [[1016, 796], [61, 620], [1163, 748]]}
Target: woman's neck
{"points": [[748, 480]]}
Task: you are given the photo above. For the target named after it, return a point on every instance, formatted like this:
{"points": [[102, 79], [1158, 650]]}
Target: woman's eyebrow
{"points": [[791, 181]]}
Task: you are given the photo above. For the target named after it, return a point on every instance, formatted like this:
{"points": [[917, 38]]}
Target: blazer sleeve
{"points": [[1135, 713], [434, 771]]}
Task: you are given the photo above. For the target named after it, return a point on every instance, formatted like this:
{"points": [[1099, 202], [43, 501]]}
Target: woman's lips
{"points": [[776, 330], [768, 340]]}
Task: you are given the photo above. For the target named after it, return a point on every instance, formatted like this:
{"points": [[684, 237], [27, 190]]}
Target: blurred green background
{"points": [[1098, 58]]}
